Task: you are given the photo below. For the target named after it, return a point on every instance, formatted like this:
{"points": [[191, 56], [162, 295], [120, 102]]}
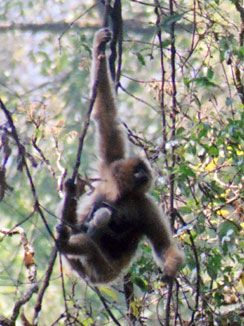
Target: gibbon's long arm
{"points": [[166, 253], [111, 142]]}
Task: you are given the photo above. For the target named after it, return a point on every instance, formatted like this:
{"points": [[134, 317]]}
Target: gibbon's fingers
{"points": [[102, 37]]}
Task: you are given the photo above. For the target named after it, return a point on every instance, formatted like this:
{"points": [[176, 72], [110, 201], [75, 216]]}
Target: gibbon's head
{"points": [[132, 175]]}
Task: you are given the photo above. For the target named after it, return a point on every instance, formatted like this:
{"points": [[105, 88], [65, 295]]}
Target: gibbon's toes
{"points": [[167, 279], [70, 186], [63, 231]]}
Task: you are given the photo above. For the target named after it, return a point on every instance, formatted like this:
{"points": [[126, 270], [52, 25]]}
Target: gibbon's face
{"points": [[132, 175]]}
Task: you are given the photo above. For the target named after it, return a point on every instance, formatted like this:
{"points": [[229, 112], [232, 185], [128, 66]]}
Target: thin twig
{"points": [[31, 271], [73, 23], [238, 77], [22, 301], [84, 131], [106, 306], [174, 112], [117, 28], [162, 104], [21, 153], [198, 268], [135, 97], [107, 13], [168, 302], [45, 284], [129, 298]]}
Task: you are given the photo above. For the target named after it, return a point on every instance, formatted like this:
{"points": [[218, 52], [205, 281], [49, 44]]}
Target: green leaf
{"points": [[225, 227], [213, 151], [221, 56], [165, 43], [213, 265], [186, 171], [197, 99], [38, 133], [228, 101], [140, 283], [187, 82], [204, 129], [172, 19], [204, 81], [185, 210], [210, 73], [141, 58], [241, 51], [180, 131], [64, 62], [109, 292]]}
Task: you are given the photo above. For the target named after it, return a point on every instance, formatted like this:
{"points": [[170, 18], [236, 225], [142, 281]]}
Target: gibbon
{"points": [[110, 223]]}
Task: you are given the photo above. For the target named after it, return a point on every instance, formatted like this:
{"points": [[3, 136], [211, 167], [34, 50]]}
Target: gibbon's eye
{"points": [[140, 173]]}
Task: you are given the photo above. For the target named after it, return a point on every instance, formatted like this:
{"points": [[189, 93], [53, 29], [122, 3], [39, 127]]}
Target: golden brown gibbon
{"points": [[114, 218]]}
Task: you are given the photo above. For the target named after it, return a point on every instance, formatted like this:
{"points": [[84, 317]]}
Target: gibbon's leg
{"points": [[85, 256], [111, 140]]}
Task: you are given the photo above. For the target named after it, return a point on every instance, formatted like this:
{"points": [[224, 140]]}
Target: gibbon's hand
{"points": [[100, 219], [102, 37]]}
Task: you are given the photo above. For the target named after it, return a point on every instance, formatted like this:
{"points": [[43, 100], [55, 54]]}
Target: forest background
{"points": [[180, 90]]}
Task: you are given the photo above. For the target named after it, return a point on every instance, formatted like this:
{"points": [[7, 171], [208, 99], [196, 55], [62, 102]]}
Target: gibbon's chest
{"points": [[124, 231]]}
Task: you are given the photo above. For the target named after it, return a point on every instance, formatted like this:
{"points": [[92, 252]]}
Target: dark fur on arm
{"points": [[69, 216], [70, 203]]}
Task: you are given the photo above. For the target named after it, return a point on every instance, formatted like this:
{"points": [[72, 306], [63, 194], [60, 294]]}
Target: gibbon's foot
{"points": [[167, 279], [70, 186], [103, 36], [63, 232]]}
